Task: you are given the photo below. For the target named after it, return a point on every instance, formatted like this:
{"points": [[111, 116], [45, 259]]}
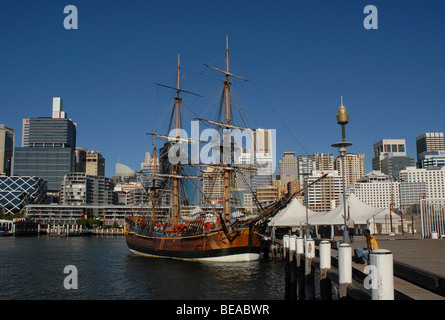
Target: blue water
{"points": [[33, 269]]}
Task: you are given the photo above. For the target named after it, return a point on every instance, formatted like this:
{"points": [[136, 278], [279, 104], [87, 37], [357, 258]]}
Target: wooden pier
{"points": [[418, 270]]}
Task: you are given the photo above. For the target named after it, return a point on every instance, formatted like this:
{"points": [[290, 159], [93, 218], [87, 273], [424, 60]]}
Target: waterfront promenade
{"points": [[419, 265]]}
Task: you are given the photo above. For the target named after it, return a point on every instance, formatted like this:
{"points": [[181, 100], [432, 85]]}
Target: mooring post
{"points": [[383, 274], [293, 266], [344, 268], [300, 268], [309, 253], [286, 267], [325, 265]]}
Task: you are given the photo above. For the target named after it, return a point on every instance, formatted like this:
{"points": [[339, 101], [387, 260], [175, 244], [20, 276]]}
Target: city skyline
{"points": [[300, 58]]}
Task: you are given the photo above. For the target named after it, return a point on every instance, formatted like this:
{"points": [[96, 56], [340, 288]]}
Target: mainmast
{"points": [[178, 101], [154, 182], [227, 161], [228, 113]]}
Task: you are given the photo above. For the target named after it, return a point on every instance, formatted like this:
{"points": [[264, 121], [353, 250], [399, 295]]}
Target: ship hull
{"points": [[213, 247]]}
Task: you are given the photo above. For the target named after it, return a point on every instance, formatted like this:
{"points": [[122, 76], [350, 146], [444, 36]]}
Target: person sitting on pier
{"points": [[362, 254]]}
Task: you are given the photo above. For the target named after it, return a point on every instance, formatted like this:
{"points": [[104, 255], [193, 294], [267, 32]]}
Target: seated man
{"points": [[362, 254]]}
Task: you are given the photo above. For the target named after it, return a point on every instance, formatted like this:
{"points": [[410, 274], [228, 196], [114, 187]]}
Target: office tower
{"points": [[324, 161], [80, 159], [433, 178], [430, 150], [213, 188], [124, 174], [354, 167], [430, 141], [377, 190], [390, 157], [48, 147], [325, 194], [260, 156], [267, 194], [288, 168], [148, 167], [95, 164], [306, 164], [264, 143], [7, 139]]}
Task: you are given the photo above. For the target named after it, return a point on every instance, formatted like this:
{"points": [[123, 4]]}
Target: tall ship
{"points": [[214, 231]]}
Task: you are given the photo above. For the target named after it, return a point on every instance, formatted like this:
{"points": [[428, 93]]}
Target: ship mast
{"points": [[154, 181], [227, 161], [178, 101], [226, 98]]}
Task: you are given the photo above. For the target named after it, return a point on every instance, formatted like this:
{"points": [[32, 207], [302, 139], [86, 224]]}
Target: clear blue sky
{"points": [[300, 56]]}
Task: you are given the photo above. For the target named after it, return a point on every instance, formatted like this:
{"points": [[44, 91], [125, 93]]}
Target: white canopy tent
{"points": [[294, 215], [359, 211]]}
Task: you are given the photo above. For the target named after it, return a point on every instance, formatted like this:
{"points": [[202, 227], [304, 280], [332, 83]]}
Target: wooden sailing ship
{"points": [[215, 235]]}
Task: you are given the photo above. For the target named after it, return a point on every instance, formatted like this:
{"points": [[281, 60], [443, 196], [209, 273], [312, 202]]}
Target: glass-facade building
{"points": [[17, 192], [48, 148]]}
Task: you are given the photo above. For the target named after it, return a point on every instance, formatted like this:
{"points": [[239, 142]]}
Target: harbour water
{"points": [[32, 268]]}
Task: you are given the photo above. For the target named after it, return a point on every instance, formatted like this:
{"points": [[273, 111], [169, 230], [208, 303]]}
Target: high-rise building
{"points": [[430, 150], [95, 164], [267, 194], [354, 167], [306, 164], [80, 159], [150, 166], [325, 194], [212, 185], [390, 157], [288, 168], [377, 190], [430, 141], [432, 177], [48, 147], [7, 139], [324, 161]]}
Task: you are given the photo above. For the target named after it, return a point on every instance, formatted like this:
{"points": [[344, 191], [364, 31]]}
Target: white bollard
{"points": [[383, 288], [345, 263], [344, 268], [309, 248], [285, 245], [292, 243], [434, 235], [325, 255], [300, 245]]}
